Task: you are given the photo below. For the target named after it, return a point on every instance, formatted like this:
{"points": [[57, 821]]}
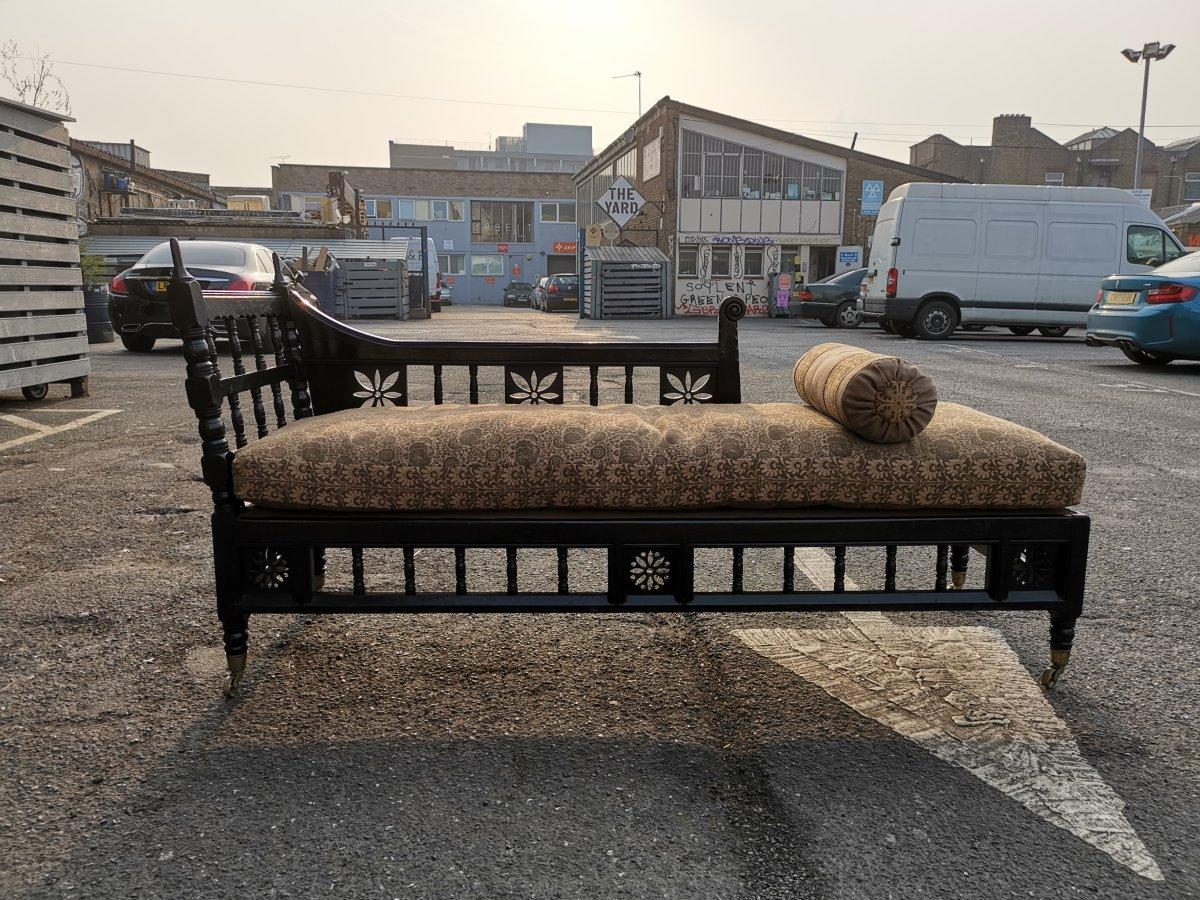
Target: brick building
{"points": [[489, 227], [111, 177], [733, 203], [1020, 154]]}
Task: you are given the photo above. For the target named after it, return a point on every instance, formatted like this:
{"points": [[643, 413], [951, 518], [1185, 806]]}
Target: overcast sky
{"points": [[893, 71]]}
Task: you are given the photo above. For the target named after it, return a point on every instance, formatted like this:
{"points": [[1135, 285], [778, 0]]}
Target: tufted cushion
{"points": [[647, 457], [885, 399]]}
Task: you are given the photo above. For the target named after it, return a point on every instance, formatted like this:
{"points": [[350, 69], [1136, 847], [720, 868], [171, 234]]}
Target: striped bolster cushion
{"points": [[884, 399]]}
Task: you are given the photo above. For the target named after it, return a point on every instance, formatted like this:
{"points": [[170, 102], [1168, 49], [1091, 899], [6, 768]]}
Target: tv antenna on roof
{"points": [[638, 76]]}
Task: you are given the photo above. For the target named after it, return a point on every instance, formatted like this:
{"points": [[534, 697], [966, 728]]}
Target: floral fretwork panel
{"points": [[380, 388], [696, 384], [650, 570], [266, 570], [533, 384], [1035, 566]]}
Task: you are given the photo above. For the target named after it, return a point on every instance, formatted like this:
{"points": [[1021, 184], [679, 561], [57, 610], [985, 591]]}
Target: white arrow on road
{"points": [[962, 694]]}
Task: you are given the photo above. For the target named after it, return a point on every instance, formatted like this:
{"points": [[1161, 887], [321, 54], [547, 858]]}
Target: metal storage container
{"points": [[625, 283]]}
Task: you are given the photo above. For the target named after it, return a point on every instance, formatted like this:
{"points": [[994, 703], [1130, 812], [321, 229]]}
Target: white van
{"points": [[945, 255], [433, 274]]}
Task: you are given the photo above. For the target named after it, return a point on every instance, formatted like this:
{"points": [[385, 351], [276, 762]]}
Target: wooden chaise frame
{"points": [[273, 561]]}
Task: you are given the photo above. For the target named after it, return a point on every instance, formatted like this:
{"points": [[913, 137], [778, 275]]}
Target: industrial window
{"points": [[421, 210], [1054, 178], [720, 262], [687, 261], [405, 209], [494, 222], [487, 265], [452, 263], [558, 212], [831, 184], [383, 209], [772, 177], [812, 181], [752, 163], [441, 209], [369, 205], [627, 165], [714, 168], [690, 165], [753, 267], [1191, 186]]}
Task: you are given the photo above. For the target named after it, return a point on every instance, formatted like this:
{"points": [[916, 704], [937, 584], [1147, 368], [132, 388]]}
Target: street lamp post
{"points": [[1153, 50]]}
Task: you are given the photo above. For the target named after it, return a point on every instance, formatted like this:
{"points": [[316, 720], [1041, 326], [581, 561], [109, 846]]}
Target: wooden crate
{"points": [[43, 335]]}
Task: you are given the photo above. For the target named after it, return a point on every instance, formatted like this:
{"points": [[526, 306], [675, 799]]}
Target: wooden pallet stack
{"points": [[43, 335]]}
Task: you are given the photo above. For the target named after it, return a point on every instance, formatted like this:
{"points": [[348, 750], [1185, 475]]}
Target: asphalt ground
{"points": [[543, 756]]}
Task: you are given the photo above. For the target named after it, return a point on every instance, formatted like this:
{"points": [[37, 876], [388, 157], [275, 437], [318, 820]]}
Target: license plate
{"points": [[161, 286], [1121, 298]]}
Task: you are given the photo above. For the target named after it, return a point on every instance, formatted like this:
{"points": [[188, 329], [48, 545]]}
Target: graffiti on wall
{"points": [[703, 296]]}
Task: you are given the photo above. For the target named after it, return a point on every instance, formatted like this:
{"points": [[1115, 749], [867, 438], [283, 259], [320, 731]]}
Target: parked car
{"points": [[538, 295], [447, 294], [137, 301], [518, 293], [560, 292], [1153, 319], [1023, 257], [834, 300]]}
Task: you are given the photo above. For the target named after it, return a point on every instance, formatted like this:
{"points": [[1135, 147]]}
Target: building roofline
{"points": [[788, 137], [78, 146], [36, 110]]}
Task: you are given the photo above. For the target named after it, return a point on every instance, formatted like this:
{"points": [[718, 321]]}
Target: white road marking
{"points": [[40, 431], [25, 423], [1137, 387], [962, 694]]}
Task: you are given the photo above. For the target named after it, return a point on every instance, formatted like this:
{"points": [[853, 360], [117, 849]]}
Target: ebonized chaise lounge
{"points": [[282, 501]]}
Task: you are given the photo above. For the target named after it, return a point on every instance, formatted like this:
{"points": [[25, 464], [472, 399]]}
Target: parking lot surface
{"points": [[606, 756]]}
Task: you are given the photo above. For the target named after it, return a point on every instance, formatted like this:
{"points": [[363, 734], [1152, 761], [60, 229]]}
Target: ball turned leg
{"points": [[236, 640], [959, 554], [1062, 636]]}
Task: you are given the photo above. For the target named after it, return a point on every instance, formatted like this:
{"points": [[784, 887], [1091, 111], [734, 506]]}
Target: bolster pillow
{"points": [[884, 399]]}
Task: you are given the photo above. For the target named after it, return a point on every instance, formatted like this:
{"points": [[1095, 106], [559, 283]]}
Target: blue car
{"points": [[1152, 318]]}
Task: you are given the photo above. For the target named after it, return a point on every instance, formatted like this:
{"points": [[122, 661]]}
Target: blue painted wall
{"points": [[529, 260]]}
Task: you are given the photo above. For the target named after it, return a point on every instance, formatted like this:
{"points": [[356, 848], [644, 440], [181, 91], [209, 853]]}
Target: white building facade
{"points": [[750, 208]]}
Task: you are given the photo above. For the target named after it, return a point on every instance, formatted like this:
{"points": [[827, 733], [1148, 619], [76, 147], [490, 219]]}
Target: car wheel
{"points": [[1145, 357], [137, 343], [847, 315], [1021, 330], [1057, 331], [887, 326], [35, 392], [935, 320]]}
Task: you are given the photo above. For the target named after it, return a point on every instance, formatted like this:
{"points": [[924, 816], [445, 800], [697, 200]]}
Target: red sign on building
{"points": [[502, 248], [566, 247], [516, 270], [490, 280]]}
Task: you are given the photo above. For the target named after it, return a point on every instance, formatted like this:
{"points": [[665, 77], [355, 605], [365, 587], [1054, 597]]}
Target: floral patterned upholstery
{"points": [[436, 458], [885, 399]]}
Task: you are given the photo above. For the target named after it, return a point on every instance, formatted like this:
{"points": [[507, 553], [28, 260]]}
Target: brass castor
{"points": [[233, 680], [957, 580], [1058, 664]]}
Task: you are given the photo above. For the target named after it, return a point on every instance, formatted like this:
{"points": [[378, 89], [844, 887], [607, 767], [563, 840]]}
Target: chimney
{"points": [[1011, 129]]}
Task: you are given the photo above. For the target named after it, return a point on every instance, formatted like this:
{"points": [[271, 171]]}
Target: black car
{"points": [[137, 300], [559, 292], [833, 301], [518, 293]]}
